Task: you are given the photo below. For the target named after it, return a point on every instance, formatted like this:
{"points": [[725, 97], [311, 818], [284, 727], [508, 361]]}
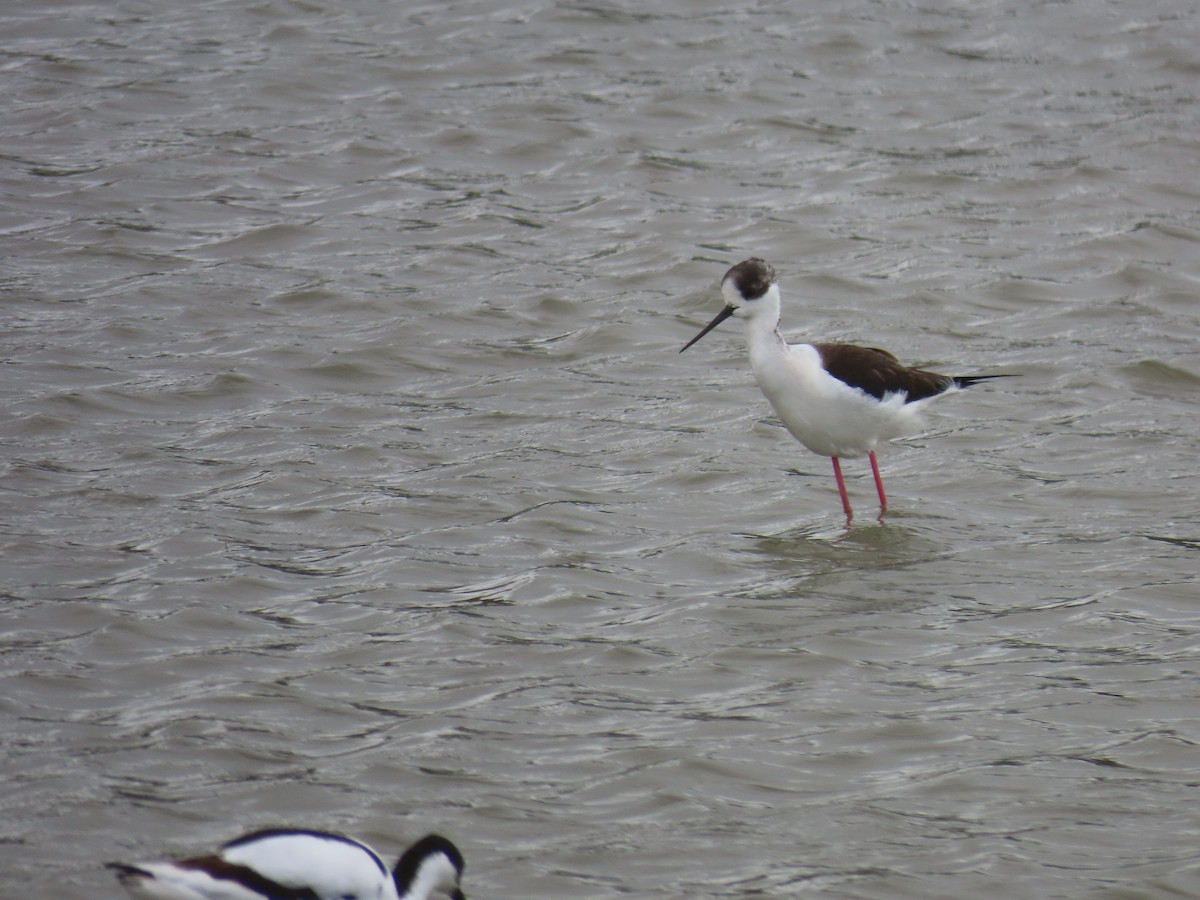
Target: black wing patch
{"points": [[878, 373]]}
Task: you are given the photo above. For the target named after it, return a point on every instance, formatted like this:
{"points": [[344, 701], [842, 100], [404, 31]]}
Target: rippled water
{"points": [[352, 478]]}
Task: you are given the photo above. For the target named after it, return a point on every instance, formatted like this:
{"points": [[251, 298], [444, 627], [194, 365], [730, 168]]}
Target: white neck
{"points": [[761, 322], [436, 872]]}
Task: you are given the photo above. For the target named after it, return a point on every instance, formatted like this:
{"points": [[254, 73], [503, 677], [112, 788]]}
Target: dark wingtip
{"points": [[125, 870], [965, 381]]}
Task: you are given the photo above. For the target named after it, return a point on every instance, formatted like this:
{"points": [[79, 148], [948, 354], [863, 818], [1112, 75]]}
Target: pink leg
{"points": [[878, 485], [837, 472]]}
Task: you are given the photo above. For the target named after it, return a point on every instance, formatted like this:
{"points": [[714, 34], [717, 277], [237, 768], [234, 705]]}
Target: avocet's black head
{"points": [[432, 863], [746, 282]]}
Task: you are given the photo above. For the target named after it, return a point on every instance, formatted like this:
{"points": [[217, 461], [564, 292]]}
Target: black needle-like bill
{"points": [[725, 313]]}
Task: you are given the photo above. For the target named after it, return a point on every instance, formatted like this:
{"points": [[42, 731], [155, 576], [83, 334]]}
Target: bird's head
{"points": [[744, 287]]}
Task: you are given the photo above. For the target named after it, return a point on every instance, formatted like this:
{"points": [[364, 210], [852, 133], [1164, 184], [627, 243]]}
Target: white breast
{"points": [[824, 414]]}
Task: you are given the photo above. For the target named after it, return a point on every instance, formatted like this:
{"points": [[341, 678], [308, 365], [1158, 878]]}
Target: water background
{"points": [[350, 476]]}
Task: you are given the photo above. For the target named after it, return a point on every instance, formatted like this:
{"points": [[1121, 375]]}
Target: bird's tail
{"points": [[965, 381], [126, 873]]}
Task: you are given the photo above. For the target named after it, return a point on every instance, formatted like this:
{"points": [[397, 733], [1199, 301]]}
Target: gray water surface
{"points": [[352, 479]]}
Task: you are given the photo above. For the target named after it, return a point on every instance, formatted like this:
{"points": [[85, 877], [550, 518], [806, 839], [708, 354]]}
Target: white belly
{"points": [[826, 415]]}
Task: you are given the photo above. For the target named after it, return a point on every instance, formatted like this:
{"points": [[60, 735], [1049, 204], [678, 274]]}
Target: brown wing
{"points": [[878, 372]]}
